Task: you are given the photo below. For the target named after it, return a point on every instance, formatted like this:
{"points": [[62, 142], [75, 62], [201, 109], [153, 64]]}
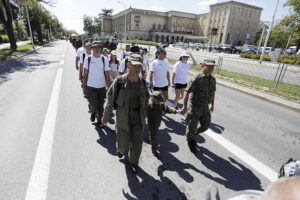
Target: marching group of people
{"points": [[122, 84]]}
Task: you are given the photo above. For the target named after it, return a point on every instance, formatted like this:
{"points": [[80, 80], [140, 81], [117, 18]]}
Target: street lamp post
{"points": [[269, 32], [261, 38], [29, 25]]}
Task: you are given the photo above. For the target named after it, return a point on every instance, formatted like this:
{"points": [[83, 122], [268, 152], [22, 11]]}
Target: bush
{"points": [[266, 58], [140, 42], [255, 56], [4, 39]]}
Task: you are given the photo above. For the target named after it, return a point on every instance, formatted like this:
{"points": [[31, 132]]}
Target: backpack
{"points": [[120, 84], [89, 62]]}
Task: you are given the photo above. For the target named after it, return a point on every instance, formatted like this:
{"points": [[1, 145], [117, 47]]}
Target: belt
{"points": [[134, 109]]}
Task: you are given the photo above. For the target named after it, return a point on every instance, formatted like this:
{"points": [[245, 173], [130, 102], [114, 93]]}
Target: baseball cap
{"points": [[158, 96], [105, 50], [96, 43], [185, 53], [114, 53], [135, 59]]}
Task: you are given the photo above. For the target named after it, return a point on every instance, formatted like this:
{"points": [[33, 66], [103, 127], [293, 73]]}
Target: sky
{"points": [[70, 12]]}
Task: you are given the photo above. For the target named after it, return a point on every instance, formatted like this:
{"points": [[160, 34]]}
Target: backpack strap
{"points": [[83, 56], [103, 67], [120, 84], [125, 68]]}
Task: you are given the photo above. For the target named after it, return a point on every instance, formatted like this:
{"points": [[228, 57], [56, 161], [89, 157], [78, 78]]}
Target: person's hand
{"points": [[212, 108], [173, 86], [77, 68], [85, 91], [104, 121], [168, 85], [183, 111]]}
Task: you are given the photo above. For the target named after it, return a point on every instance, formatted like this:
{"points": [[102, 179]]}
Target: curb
{"points": [[22, 55], [265, 97]]}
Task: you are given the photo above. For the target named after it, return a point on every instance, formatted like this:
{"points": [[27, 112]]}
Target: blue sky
{"points": [[70, 12]]}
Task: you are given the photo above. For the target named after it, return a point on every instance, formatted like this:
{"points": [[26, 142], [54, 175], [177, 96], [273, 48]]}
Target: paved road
{"points": [[2, 46], [50, 149], [234, 63]]}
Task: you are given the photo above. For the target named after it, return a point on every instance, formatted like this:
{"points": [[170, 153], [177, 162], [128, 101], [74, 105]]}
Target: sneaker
{"points": [[120, 155], [93, 117]]}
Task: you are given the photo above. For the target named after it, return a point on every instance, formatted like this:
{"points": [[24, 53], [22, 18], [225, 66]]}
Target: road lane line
{"points": [[261, 168], [38, 182], [61, 62]]}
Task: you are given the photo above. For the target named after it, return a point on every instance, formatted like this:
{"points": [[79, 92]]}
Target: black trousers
{"points": [[96, 97]]}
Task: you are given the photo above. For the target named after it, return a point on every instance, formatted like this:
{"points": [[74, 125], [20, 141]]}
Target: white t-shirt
{"points": [[160, 69], [80, 51], [96, 77], [113, 67], [124, 54], [86, 55], [145, 62], [122, 67], [181, 70]]}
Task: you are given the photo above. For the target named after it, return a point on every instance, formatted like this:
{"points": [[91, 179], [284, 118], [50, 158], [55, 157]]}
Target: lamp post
{"points": [[269, 32], [124, 15], [261, 38]]}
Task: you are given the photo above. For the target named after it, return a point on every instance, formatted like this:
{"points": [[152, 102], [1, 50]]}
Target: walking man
{"points": [[202, 90], [96, 78], [129, 96]]}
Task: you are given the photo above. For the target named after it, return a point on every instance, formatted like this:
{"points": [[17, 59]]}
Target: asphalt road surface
{"points": [[50, 150]]}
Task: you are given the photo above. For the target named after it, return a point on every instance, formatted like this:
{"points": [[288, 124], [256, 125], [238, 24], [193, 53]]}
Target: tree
{"points": [[106, 12], [88, 24], [292, 21], [6, 18]]}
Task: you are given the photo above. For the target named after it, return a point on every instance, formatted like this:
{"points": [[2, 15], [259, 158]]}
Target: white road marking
{"points": [[61, 62], [38, 182], [261, 168]]}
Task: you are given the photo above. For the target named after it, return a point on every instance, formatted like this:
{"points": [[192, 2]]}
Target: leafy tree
{"points": [[106, 12], [88, 24]]}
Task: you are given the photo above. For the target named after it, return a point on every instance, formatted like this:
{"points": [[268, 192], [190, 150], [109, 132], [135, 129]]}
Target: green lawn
{"points": [[7, 53], [288, 91]]}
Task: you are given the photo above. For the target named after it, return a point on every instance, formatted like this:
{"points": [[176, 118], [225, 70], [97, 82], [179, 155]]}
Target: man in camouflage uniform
{"points": [[156, 108], [129, 96], [202, 90]]}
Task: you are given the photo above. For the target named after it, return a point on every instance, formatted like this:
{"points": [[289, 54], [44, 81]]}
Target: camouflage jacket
{"points": [[155, 112], [202, 91], [119, 98]]}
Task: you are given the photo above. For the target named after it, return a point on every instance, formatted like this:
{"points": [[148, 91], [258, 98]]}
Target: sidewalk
{"points": [[262, 95], [2, 46]]}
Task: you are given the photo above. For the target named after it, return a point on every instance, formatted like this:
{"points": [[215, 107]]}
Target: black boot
{"points": [[192, 144], [93, 117]]}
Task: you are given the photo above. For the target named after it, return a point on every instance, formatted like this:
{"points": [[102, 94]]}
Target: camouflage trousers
{"points": [[193, 118]]}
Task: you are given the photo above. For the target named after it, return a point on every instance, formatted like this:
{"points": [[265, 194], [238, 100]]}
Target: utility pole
{"points": [[261, 38], [29, 25], [269, 32]]}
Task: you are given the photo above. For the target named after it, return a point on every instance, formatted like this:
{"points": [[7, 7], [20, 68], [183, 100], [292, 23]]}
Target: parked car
{"points": [[267, 49], [291, 50]]}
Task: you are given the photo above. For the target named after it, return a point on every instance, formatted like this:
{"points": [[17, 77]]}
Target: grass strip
{"points": [[7, 53]]}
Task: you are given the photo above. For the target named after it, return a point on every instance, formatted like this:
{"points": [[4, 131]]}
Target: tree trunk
{"points": [[8, 24]]}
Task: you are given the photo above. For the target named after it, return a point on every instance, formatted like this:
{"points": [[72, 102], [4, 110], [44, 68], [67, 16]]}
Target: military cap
{"points": [[135, 59], [209, 62], [96, 43], [158, 96], [105, 50]]}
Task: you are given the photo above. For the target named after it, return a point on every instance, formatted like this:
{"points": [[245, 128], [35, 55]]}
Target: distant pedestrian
{"points": [[156, 108], [85, 54], [123, 69], [126, 53], [200, 93], [95, 80], [159, 73], [114, 65], [129, 96], [79, 52], [180, 75]]}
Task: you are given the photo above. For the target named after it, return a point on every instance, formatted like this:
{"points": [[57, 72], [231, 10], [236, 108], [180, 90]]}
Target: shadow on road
{"points": [[21, 65], [216, 128], [233, 175], [144, 187], [107, 139], [174, 126]]}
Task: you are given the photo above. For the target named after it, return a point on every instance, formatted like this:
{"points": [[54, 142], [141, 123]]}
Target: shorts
{"points": [[160, 88], [179, 86]]}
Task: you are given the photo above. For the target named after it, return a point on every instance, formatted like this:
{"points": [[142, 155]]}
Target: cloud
{"points": [[204, 4]]}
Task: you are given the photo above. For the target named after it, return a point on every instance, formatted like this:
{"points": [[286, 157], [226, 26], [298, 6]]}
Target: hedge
{"points": [[286, 59], [4, 39], [140, 42]]}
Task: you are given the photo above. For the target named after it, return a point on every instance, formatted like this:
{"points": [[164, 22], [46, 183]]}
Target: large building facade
{"points": [[236, 23]]}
